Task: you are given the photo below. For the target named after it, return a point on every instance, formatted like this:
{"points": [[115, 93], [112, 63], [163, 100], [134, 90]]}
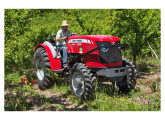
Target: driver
{"points": [[61, 40]]}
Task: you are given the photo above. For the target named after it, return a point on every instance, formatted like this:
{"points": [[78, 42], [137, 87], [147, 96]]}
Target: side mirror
{"points": [[123, 46]]}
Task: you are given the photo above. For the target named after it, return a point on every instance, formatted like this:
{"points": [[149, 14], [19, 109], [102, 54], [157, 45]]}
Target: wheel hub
{"points": [[78, 83], [39, 70]]}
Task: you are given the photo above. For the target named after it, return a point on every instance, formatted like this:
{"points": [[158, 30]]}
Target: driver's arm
{"points": [[60, 39]]}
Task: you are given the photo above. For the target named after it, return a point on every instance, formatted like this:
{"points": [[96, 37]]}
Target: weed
{"points": [[148, 64], [106, 98], [59, 106], [141, 82], [155, 85], [16, 100]]}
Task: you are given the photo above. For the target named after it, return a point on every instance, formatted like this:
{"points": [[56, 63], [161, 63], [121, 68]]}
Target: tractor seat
{"points": [[53, 42], [54, 45], [59, 51]]}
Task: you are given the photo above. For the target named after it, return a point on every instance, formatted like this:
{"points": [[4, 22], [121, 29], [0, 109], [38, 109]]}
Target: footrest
{"points": [[61, 70]]}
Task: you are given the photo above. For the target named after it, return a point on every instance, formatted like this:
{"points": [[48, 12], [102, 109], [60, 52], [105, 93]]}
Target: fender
{"points": [[52, 49], [55, 63]]}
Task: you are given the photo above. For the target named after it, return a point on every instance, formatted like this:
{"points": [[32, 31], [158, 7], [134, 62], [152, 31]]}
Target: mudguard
{"points": [[52, 49], [55, 63]]}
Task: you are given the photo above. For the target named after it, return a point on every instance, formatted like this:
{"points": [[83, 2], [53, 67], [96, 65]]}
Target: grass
{"points": [[12, 79], [17, 99], [118, 103], [148, 64], [107, 98], [16, 96]]}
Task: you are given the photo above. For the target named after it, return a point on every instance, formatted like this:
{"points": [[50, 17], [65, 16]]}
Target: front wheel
{"points": [[128, 81], [82, 82]]}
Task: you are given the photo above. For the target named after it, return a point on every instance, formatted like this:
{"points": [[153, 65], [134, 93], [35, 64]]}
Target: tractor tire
{"points": [[42, 69], [82, 82], [126, 85]]}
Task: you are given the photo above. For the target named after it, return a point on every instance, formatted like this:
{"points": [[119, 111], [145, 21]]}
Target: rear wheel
{"points": [[129, 81], [82, 82], [42, 69]]}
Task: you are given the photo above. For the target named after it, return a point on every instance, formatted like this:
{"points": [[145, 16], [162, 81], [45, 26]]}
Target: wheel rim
{"points": [[78, 83], [39, 69]]}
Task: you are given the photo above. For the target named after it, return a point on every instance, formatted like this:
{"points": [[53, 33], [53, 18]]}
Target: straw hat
{"points": [[65, 23]]}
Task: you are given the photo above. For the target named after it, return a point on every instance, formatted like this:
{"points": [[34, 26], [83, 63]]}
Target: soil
{"points": [[56, 98], [61, 103], [147, 79]]}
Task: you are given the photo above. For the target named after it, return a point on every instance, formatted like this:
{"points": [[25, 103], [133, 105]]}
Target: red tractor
{"points": [[89, 56]]}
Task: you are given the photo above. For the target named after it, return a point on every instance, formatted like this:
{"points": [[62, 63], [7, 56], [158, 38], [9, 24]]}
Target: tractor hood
{"points": [[100, 38]]}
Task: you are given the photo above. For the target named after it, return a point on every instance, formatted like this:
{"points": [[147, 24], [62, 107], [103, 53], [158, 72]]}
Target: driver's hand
{"points": [[64, 38], [74, 33]]}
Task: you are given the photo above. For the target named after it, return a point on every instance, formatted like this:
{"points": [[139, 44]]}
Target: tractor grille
{"points": [[109, 55]]}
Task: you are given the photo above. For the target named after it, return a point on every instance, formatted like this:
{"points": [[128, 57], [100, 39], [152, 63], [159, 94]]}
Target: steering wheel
{"points": [[69, 35]]}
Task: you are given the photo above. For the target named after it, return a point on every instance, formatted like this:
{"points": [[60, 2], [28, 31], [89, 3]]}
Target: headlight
{"points": [[104, 49]]}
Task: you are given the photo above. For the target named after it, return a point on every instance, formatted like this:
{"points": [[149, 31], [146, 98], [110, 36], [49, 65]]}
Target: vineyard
{"points": [[139, 28]]}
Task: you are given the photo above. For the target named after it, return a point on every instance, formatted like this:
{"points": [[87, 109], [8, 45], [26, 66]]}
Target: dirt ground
{"points": [[61, 103], [55, 96]]}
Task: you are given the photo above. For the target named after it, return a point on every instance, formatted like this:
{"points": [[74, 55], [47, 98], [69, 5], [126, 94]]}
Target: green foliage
{"points": [[12, 80], [148, 64], [136, 27], [153, 85], [30, 76], [17, 99], [25, 28], [16, 22], [141, 82]]}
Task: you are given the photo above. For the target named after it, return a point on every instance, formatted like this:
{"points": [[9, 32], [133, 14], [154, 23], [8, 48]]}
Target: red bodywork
{"points": [[91, 59], [55, 63]]}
